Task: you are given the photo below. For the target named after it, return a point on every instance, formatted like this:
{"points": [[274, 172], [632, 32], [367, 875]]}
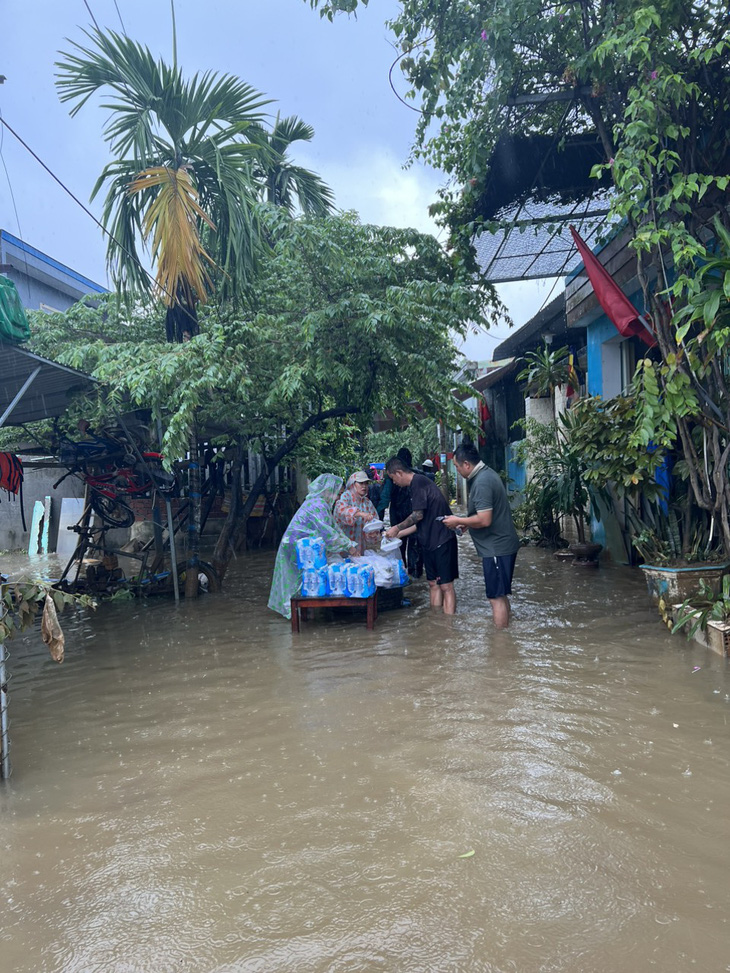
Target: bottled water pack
{"points": [[337, 574], [315, 582], [311, 553], [360, 580]]}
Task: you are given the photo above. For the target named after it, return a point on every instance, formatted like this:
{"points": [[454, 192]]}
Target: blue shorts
{"points": [[498, 573]]}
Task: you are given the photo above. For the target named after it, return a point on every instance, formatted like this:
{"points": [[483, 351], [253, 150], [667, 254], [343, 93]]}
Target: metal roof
{"points": [[33, 388], [536, 243]]}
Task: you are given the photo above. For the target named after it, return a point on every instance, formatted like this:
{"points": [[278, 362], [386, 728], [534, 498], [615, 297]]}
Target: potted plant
{"points": [[662, 524], [557, 482], [545, 370], [706, 616]]}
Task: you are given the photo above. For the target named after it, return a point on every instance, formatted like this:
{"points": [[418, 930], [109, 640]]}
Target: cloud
{"points": [[374, 183]]}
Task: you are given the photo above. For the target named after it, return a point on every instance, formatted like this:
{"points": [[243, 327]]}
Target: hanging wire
{"points": [[15, 208], [116, 7]]}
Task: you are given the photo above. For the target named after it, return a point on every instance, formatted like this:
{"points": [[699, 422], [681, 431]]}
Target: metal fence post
{"points": [[5, 767]]}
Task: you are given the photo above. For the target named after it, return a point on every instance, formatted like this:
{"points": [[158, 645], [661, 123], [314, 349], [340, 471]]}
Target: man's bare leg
{"points": [[501, 610], [434, 591], [449, 598]]}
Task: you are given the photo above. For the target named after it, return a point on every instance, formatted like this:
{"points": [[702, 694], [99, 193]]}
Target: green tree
{"points": [[183, 178], [184, 151], [342, 321], [645, 87]]}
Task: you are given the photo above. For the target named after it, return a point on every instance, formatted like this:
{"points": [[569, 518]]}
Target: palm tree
{"points": [[282, 182], [184, 152], [182, 178]]}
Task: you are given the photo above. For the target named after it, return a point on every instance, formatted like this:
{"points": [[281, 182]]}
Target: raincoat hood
{"points": [[326, 487]]}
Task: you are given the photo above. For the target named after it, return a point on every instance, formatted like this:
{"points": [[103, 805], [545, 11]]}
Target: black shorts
{"points": [[442, 564], [498, 573]]}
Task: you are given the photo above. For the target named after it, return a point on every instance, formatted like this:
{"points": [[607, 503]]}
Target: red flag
{"points": [[612, 299]]}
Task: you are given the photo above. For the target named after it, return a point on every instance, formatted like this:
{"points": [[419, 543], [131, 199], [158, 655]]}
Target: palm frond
{"points": [[171, 221]]}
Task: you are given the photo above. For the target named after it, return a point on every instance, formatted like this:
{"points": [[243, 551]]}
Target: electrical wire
{"points": [[15, 207], [91, 14], [124, 29]]}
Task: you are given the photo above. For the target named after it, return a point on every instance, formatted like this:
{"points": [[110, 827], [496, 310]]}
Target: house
{"points": [[43, 283], [33, 388], [504, 396], [610, 356]]}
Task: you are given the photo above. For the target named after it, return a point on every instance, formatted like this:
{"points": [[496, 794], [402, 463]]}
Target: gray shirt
{"points": [[487, 492]]}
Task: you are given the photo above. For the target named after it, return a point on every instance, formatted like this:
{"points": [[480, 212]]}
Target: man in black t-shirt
{"points": [[440, 552]]}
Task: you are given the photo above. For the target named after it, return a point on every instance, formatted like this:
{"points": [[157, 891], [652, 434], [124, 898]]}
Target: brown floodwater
{"points": [[195, 789]]}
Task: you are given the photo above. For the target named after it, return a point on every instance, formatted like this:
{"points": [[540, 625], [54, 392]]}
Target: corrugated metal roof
{"points": [[33, 388]]}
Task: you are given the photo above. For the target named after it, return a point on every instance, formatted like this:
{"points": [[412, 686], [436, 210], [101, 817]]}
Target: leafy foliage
{"points": [[545, 370], [282, 182], [420, 437], [709, 605], [557, 468], [20, 602], [208, 125], [343, 320]]}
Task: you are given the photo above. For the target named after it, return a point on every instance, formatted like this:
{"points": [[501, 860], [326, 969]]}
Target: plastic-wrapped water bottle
{"points": [[319, 553], [368, 580], [353, 581], [311, 553], [337, 579], [315, 582]]}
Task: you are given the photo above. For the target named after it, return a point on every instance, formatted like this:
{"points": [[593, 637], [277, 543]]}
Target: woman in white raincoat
{"points": [[313, 519]]}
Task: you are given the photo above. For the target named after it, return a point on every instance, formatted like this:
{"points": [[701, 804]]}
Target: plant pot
{"points": [[716, 636], [586, 552], [677, 584]]}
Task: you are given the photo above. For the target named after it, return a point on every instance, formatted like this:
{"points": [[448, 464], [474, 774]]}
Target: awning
{"points": [[33, 388]]}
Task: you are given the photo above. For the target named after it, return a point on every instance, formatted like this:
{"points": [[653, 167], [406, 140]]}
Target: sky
{"points": [[334, 76]]}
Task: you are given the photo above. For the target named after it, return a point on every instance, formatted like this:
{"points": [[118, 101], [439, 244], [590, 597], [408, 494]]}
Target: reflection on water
{"points": [[197, 789]]}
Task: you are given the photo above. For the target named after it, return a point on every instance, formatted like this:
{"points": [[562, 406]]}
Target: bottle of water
{"points": [[337, 579]]}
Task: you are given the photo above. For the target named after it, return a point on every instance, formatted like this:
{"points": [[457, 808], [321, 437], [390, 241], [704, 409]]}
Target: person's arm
{"points": [[408, 526], [482, 518]]}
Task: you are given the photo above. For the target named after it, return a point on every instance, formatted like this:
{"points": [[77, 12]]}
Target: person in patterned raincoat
{"points": [[313, 519]]}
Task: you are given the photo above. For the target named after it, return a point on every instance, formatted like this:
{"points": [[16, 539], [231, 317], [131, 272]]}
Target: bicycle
{"points": [[108, 486]]}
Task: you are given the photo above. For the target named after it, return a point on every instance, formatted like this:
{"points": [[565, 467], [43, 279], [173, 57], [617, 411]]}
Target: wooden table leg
{"points": [[371, 614], [294, 617]]}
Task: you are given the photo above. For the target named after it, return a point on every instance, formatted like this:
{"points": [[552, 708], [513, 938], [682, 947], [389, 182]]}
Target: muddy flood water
{"points": [[195, 789]]}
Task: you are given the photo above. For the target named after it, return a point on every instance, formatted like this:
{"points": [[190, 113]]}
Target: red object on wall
{"points": [[612, 299]]}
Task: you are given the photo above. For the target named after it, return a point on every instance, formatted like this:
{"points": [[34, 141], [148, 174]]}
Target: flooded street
{"points": [[195, 789]]}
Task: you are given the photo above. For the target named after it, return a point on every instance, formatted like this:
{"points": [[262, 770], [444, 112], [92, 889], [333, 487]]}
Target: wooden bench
{"points": [[300, 603]]}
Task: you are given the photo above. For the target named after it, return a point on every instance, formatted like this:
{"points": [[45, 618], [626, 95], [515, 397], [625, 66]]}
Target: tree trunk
{"points": [[235, 527], [194, 489], [224, 545]]}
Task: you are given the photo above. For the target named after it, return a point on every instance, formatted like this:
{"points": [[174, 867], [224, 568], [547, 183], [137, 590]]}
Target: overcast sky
{"points": [[334, 76]]}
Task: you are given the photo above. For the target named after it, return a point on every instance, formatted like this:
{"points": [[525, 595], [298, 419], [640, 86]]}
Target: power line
{"points": [[124, 29], [92, 16], [15, 207]]}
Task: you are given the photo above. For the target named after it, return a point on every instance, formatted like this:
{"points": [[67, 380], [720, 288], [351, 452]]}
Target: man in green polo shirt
{"points": [[491, 527]]}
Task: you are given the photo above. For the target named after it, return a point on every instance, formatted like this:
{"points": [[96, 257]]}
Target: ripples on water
{"points": [[196, 789]]}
